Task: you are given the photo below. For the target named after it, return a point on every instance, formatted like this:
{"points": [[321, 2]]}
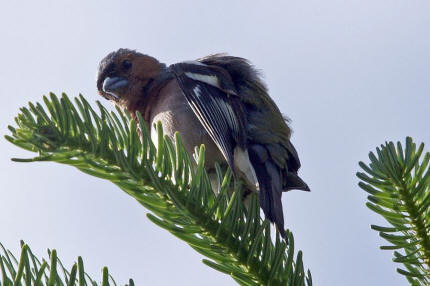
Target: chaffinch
{"points": [[219, 101]]}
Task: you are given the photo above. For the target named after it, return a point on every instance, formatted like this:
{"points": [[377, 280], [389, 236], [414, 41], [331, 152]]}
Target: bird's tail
{"points": [[270, 188]]}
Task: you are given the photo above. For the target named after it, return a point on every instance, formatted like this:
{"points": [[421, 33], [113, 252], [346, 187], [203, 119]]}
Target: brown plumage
{"points": [[219, 101]]}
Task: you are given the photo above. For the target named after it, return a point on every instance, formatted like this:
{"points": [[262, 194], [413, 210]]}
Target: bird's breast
{"points": [[175, 114]]}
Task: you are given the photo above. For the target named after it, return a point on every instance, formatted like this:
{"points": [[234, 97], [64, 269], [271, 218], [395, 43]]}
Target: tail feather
{"points": [[294, 182], [270, 184]]}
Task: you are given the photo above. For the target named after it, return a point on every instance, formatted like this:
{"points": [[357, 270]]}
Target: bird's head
{"points": [[125, 76]]}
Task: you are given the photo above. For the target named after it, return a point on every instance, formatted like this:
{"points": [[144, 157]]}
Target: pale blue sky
{"points": [[350, 74]]}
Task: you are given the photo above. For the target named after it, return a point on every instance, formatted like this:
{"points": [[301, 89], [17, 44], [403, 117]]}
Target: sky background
{"points": [[350, 75]]}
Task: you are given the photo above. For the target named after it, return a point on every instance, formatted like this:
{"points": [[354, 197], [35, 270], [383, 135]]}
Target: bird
{"points": [[220, 101]]}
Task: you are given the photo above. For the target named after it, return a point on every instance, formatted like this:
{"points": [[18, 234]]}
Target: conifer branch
{"points": [[397, 180], [177, 192], [28, 270]]}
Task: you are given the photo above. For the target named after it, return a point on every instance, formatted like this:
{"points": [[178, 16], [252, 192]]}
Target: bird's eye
{"points": [[126, 64]]}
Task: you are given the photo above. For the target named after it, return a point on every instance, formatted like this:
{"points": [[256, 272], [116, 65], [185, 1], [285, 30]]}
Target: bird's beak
{"points": [[112, 85]]}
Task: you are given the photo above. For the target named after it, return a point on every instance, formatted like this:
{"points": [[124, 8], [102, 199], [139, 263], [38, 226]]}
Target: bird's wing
{"points": [[212, 96]]}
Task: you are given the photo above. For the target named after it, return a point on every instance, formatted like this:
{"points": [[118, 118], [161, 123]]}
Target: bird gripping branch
{"points": [[219, 101]]}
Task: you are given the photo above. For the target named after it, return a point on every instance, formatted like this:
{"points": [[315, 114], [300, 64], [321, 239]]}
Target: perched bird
{"points": [[219, 101]]}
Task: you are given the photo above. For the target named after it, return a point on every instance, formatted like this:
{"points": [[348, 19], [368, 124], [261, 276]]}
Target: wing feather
{"points": [[211, 95]]}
